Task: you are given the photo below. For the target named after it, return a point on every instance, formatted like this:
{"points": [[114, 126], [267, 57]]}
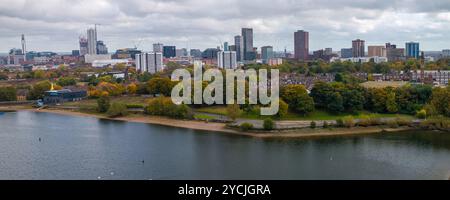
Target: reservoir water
{"points": [[83, 148]]}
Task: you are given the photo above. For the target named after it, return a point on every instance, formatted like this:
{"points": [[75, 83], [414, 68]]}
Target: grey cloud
{"points": [[205, 23]]}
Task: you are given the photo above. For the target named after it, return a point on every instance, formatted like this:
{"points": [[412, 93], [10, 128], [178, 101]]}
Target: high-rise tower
{"points": [[301, 45], [92, 41], [24, 48]]}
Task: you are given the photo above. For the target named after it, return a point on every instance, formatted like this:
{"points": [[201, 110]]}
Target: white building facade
{"points": [[227, 59], [149, 62], [92, 41]]}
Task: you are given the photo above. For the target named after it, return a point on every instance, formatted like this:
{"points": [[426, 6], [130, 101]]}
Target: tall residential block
{"points": [[358, 47], [379, 51], [247, 34], [92, 41], [328, 51], [347, 53], [169, 52], [412, 50], [226, 60], [239, 43], [101, 47], [149, 62], [266, 53], [393, 53], [83, 46], [301, 45], [446, 53]]}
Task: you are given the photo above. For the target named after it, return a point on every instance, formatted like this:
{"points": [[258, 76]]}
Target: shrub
{"points": [[374, 120], [313, 124], [268, 124], [246, 126], [422, 114], [364, 121], [348, 121], [436, 123], [392, 124], [103, 104], [181, 112], [325, 124], [163, 106], [339, 123], [233, 111], [402, 121], [117, 110], [283, 109]]}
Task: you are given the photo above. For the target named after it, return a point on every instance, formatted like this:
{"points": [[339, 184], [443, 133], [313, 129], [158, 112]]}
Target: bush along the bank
{"points": [[103, 104], [392, 123], [117, 110], [313, 125], [402, 121], [339, 123], [436, 123], [268, 124], [364, 121], [246, 126], [422, 114], [349, 122], [163, 106], [325, 124]]}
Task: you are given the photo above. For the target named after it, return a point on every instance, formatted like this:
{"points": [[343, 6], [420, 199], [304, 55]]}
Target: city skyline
{"points": [[192, 24]]}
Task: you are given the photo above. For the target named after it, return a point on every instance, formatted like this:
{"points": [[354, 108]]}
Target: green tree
{"points": [[268, 124], [37, 91], [391, 104], [283, 109], [353, 99], [103, 104], [233, 111], [339, 77], [117, 110], [440, 100], [336, 103], [377, 99], [163, 106], [298, 99], [66, 81], [161, 86], [320, 94], [8, 94], [38, 74]]}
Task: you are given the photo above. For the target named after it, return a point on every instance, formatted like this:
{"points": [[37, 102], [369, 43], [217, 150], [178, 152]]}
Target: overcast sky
{"points": [[55, 25]]}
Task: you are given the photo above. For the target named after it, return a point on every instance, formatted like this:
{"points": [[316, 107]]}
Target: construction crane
{"points": [[137, 43]]}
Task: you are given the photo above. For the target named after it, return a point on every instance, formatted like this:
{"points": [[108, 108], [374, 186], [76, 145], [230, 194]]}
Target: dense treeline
{"points": [[320, 66], [410, 99], [8, 94]]}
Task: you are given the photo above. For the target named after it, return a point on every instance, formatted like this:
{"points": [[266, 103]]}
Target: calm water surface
{"points": [[89, 148]]}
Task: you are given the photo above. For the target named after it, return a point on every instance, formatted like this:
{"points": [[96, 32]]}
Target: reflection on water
{"points": [[89, 148]]}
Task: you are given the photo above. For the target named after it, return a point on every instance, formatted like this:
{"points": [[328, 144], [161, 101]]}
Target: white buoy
{"points": [[99, 177]]}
